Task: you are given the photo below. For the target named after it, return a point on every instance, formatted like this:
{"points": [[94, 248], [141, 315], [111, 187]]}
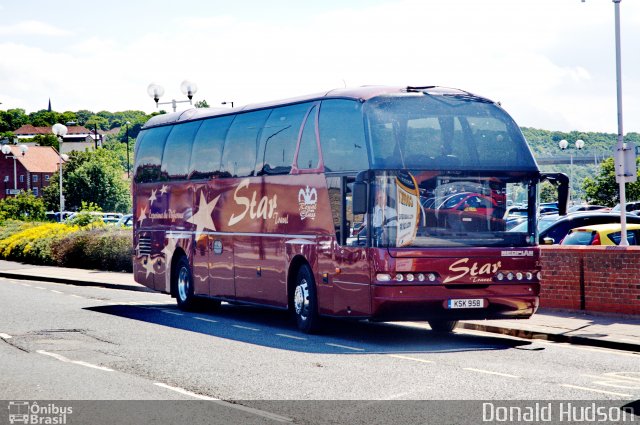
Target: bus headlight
{"points": [[383, 277], [500, 276], [420, 277], [399, 278], [410, 277]]}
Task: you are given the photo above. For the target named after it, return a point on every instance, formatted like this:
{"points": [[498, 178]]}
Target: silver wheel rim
{"points": [[301, 299], [183, 284]]}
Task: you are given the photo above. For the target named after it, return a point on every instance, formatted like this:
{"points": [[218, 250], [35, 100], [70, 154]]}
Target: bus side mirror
{"points": [[359, 204], [561, 182]]}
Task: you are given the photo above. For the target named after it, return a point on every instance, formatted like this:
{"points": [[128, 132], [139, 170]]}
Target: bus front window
{"points": [[429, 208]]}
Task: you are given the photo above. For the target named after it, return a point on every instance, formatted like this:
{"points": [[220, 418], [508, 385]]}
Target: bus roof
{"points": [[363, 94]]}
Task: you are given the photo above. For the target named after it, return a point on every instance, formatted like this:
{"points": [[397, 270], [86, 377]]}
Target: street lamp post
{"points": [[60, 130], [6, 149], [563, 144], [187, 87], [225, 103], [127, 124]]}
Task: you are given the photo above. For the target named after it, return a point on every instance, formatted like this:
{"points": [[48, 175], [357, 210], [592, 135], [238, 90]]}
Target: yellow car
{"points": [[602, 234]]}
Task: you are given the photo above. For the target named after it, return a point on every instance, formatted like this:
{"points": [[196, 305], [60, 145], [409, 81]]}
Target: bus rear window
{"points": [[149, 154]]}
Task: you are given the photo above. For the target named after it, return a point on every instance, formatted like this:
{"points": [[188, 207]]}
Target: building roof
{"points": [[28, 130], [38, 159]]}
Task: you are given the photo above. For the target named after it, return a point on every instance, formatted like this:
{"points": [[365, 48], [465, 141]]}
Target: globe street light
{"points": [[6, 149], [60, 130], [563, 144], [187, 87]]}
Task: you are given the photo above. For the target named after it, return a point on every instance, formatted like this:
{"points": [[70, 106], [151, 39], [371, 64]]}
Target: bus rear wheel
{"points": [[443, 326], [182, 281], [305, 301]]}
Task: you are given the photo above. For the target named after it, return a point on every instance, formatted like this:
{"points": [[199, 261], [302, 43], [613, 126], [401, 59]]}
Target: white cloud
{"points": [[28, 28], [541, 58]]}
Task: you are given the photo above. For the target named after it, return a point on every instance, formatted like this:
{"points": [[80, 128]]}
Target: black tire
{"points": [[182, 281], [443, 326], [305, 301]]}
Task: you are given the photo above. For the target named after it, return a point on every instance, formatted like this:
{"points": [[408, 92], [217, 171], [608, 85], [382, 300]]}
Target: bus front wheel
{"points": [[305, 301], [182, 280], [443, 326]]}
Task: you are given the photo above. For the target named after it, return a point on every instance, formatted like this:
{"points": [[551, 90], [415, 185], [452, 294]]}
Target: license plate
{"points": [[466, 303]]}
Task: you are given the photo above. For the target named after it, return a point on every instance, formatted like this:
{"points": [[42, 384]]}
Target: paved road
{"points": [[92, 343]]}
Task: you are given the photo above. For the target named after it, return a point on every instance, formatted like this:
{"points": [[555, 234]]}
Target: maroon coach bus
{"points": [[382, 203]]}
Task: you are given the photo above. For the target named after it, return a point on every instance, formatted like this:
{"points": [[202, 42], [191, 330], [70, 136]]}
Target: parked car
{"points": [[631, 207], [125, 221], [586, 207], [602, 234], [553, 228]]}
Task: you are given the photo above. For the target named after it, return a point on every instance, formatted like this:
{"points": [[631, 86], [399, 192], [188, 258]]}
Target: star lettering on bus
{"points": [[153, 197], [143, 215], [164, 189], [203, 219]]}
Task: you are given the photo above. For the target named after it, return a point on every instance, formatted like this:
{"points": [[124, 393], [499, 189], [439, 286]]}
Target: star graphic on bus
{"points": [[143, 215], [203, 219], [164, 189], [147, 265], [153, 197]]}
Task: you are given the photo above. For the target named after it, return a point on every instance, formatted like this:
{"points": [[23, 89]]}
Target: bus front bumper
{"points": [[432, 302]]}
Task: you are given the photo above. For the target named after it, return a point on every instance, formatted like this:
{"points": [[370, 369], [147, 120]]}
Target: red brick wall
{"points": [[598, 279]]}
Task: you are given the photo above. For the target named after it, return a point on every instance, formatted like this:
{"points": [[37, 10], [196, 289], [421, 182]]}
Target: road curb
{"points": [[75, 282], [550, 336]]}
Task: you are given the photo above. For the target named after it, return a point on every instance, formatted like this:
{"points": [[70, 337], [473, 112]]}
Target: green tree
{"points": [[548, 192], [96, 120], [24, 206], [47, 140], [603, 189], [82, 116], [44, 118], [201, 104], [91, 176], [12, 119]]}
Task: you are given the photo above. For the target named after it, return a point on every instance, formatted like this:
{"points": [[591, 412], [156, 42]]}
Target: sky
{"points": [[551, 63]]}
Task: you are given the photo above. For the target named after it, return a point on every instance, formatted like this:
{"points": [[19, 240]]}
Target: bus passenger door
{"points": [[351, 280]]}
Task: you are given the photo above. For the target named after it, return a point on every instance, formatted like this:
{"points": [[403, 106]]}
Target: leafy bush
{"points": [[23, 206], [32, 243], [103, 248]]}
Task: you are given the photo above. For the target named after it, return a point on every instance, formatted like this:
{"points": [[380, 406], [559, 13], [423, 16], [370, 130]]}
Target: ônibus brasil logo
{"points": [[24, 412]]}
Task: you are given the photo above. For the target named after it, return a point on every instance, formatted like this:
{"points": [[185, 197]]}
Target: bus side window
{"points": [[240, 146], [177, 151], [308, 157], [341, 128], [149, 154], [206, 154], [334, 186], [278, 139]]}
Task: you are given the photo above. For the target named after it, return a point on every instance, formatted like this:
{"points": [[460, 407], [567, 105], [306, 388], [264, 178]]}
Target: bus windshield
{"points": [[439, 209], [440, 132]]}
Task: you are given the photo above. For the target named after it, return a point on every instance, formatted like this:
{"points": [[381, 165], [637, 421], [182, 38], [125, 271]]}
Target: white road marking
{"points": [[583, 348], [54, 291], [76, 296], [396, 356], [292, 337], [5, 336], [344, 346], [204, 319], [175, 313], [78, 362], [25, 284], [595, 390], [235, 406], [39, 287], [246, 328], [489, 372]]}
